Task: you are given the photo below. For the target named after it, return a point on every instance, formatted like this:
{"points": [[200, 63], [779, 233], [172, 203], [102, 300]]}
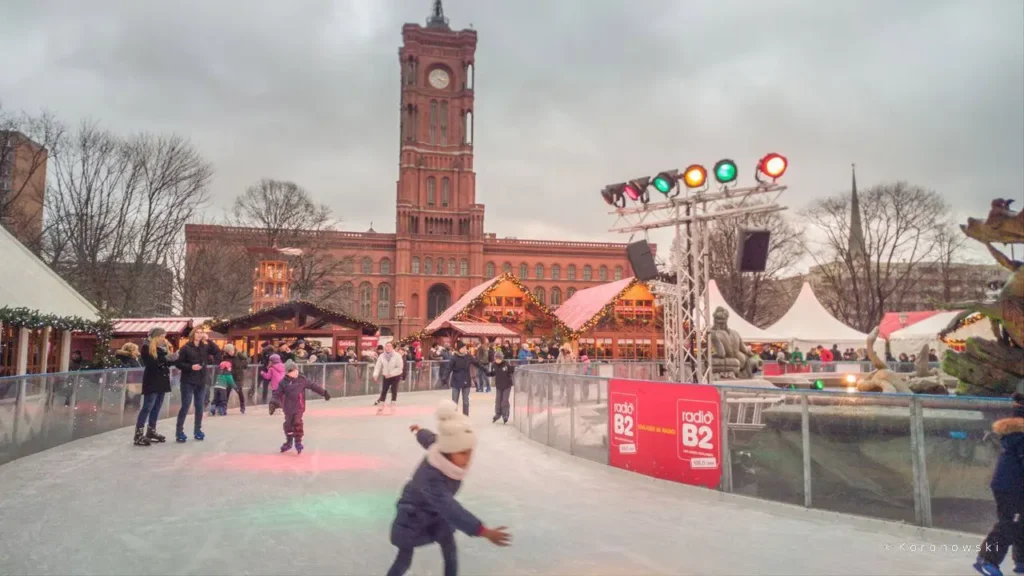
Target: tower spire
{"points": [[856, 245], [437, 18]]}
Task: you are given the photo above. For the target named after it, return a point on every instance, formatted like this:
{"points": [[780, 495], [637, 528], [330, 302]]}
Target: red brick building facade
{"points": [[440, 248]]}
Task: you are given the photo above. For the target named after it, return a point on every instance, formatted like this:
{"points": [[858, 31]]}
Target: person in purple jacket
{"points": [[290, 395], [427, 509]]}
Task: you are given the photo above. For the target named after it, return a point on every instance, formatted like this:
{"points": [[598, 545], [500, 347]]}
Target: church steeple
{"points": [[437, 19], [856, 245]]}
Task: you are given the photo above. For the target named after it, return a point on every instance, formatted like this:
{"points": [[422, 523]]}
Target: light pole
{"points": [[400, 315]]}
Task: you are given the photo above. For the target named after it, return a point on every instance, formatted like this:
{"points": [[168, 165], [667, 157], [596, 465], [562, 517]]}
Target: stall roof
{"points": [[891, 321], [747, 331], [144, 325], [30, 283], [296, 309], [808, 322], [460, 305], [589, 302], [481, 329]]}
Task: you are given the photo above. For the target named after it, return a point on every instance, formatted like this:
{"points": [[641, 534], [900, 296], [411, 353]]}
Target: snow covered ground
{"points": [[234, 505]]}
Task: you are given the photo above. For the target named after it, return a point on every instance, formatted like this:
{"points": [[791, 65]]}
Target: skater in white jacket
{"points": [[389, 365]]}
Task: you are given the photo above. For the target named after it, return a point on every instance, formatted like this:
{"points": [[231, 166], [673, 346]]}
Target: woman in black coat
{"points": [[460, 378], [157, 359], [192, 361]]}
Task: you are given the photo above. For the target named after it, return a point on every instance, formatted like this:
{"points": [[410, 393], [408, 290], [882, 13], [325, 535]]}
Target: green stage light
{"points": [[819, 384], [725, 171], [665, 181]]}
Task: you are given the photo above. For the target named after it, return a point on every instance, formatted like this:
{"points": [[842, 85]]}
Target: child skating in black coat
{"points": [[1008, 490]]}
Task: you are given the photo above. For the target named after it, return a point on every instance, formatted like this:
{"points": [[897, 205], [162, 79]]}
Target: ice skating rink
{"points": [[234, 505]]}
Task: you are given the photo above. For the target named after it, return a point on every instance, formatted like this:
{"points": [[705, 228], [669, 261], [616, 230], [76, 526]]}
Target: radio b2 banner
{"points": [[668, 431]]}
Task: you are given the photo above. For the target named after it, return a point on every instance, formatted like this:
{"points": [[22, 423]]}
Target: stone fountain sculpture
{"points": [[993, 367], [730, 357]]}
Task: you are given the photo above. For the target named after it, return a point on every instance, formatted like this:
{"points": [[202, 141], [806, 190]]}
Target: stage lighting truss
{"points": [[772, 165]]}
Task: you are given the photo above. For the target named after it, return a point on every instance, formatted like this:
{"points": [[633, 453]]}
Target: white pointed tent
{"points": [[751, 334], [909, 340], [808, 324]]}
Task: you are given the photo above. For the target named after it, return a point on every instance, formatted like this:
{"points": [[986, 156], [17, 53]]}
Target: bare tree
{"points": [[901, 225], [950, 254], [761, 297], [114, 211], [213, 280], [288, 219], [27, 143]]}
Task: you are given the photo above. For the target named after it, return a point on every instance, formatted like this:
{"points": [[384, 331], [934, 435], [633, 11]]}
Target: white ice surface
{"points": [[233, 505]]}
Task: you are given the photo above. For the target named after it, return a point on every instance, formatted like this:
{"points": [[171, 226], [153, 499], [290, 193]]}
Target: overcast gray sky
{"points": [[571, 94]]}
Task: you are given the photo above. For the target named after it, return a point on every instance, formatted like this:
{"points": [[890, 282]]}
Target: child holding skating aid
{"points": [[427, 509], [225, 381], [1008, 490], [290, 395]]}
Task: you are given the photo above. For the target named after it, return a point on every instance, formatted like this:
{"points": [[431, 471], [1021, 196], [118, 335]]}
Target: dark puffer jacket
{"points": [[290, 395], [460, 369], [503, 375], [1009, 473], [190, 355], [156, 377], [427, 509]]}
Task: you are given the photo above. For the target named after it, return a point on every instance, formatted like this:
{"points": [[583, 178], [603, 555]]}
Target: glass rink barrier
{"points": [[40, 411], [919, 459]]}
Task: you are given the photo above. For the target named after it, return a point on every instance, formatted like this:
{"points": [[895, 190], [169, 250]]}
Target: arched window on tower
{"points": [[588, 272], [556, 272], [490, 270], [367, 266], [428, 266], [444, 123], [539, 272], [468, 128], [385, 266], [538, 293], [464, 267], [602, 273], [384, 301], [440, 266], [524, 271], [446, 191], [451, 266], [556, 296], [431, 191], [415, 265], [618, 272], [469, 76], [433, 122], [571, 272], [365, 300]]}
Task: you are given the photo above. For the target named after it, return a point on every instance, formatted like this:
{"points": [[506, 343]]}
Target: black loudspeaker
{"points": [[642, 261], [752, 252]]}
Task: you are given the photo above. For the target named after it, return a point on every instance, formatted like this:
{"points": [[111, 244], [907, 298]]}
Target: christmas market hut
{"points": [[501, 307], [39, 313], [137, 330], [617, 321], [296, 320]]}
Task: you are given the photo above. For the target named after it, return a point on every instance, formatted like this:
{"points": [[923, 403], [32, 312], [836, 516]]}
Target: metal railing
{"points": [[919, 459]]}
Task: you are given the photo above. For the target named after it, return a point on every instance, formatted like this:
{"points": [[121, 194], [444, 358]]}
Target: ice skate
{"points": [[299, 447], [287, 445], [180, 437], [213, 410], [495, 419], [504, 420], [242, 409], [199, 435], [140, 438], [986, 568], [153, 436], [223, 411]]}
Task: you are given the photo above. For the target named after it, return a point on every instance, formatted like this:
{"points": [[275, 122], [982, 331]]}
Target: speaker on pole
{"points": [[752, 250], [641, 260]]}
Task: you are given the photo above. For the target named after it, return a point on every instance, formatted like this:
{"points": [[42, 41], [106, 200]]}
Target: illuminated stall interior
{"points": [[615, 321]]}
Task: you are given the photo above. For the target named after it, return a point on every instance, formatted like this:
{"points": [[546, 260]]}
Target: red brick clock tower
{"points": [[439, 226]]}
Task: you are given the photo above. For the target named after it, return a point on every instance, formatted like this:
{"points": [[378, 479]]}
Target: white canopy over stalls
{"points": [[909, 340], [808, 324], [751, 334]]}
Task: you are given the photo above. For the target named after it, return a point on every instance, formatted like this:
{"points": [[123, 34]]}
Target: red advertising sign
{"points": [[668, 431]]}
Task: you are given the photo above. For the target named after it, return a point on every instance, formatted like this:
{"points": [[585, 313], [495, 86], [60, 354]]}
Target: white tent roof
{"points": [[26, 282], [808, 322], [747, 331], [911, 338]]}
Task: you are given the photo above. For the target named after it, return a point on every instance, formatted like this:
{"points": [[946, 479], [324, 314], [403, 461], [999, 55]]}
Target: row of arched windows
{"points": [[383, 267], [362, 303], [556, 272], [443, 267], [446, 191], [556, 295]]}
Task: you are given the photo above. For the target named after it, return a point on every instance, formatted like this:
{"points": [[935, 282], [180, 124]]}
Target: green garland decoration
{"points": [[102, 328]]}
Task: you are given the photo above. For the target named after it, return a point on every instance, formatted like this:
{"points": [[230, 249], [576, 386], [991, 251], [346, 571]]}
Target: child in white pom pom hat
{"points": [[427, 509]]}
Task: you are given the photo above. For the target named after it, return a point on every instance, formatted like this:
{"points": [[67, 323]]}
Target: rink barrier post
{"points": [[550, 394], [805, 433], [918, 455], [726, 483], [124, 396], [572, 415]]}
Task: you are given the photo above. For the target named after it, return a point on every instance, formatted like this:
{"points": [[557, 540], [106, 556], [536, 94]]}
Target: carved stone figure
{"points": [[986, 367], [881, 379], [730, 357]]}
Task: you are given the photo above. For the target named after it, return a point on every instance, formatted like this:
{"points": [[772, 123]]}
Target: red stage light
{"points": [[773, 165]]}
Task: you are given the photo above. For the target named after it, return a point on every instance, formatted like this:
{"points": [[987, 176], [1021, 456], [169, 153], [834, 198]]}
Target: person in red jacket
{"points": [[825, 354]]}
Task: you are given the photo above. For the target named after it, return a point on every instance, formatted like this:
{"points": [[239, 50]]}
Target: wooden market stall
{"points": [[178, 328], [614, 321], [476, 331], [296, 320], [501, 302]]}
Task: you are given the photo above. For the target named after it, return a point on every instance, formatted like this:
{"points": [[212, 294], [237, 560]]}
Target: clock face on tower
{"points": [[438, 78]]}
